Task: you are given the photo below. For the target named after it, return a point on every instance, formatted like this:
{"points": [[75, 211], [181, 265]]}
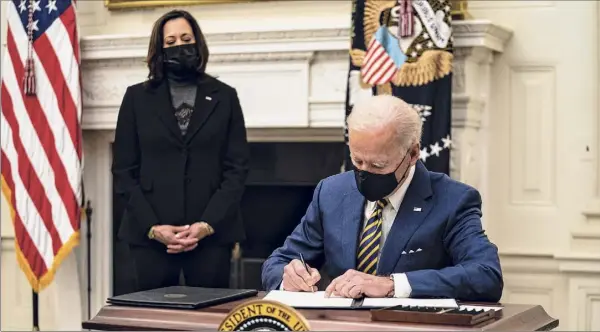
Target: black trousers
{"points": [[206, 266]]}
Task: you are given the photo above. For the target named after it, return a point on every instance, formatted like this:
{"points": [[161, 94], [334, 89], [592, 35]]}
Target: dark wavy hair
{"points": [[154, 59]]}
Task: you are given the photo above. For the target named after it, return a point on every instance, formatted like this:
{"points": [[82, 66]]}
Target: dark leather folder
{"points": [[182, 297]]}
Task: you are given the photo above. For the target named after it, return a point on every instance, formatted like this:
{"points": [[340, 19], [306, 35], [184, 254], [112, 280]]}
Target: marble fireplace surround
{"points": [[292, 88]]}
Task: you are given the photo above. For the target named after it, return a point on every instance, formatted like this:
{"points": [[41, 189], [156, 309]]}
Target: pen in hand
{"points": [[307, 270]]}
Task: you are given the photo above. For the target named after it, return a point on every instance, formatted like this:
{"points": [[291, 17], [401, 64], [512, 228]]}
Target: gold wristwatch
{"points": [[209, 229], [393, 291]]}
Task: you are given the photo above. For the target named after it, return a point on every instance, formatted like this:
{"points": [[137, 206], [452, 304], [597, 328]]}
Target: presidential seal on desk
{"points": [[264, 315]]}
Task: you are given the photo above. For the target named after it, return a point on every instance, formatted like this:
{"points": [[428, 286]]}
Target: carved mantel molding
{"points": [[473, 33], [109, 47]]}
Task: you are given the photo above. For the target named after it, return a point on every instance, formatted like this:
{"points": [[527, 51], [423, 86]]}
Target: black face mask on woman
{"points": [[377, 186], [181, 62]]}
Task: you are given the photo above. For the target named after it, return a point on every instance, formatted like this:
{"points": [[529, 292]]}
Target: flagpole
{"points": [[88, 215], [36, 324]]}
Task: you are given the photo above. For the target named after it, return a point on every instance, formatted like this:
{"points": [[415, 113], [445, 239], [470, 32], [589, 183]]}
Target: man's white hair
{"points": [[377, 112]]}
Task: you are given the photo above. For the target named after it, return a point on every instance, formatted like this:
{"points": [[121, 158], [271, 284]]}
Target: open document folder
{"points": [[317, 300]]}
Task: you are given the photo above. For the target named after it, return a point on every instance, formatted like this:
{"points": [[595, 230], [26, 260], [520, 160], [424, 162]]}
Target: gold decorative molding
{"points": [[460, 10], [138, 4]]}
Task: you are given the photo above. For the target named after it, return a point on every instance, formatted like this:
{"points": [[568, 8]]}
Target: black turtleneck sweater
{"points": [[183, 97]]}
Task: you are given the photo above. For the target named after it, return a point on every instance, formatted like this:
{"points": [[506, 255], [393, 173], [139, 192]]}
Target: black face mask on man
{"points": [[181, 61], [377, 186]]}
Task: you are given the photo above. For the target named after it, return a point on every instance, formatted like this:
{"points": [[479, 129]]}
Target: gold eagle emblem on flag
{"points": [[408, 43]]}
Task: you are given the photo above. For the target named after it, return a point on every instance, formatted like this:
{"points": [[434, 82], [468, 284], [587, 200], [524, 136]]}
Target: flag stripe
{"points": [[25, 244], [385, 72], [379, 66], [41, 129], [377, 52], [24, 193], [389, 71], [28, 174], [67, 148], [378, 63], [50, 45], [44, 130], [70, 25], [370, 48]]}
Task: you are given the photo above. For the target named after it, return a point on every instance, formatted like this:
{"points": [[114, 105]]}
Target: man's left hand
{"points": [[188, 239], [355, 284]]}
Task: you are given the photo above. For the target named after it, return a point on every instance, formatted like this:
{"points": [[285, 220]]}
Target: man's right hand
{"points": [[167, 235], [297, 279]]}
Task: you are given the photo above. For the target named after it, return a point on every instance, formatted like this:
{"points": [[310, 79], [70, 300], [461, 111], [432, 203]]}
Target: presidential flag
{"points": [[41, 145], [404, 48]]}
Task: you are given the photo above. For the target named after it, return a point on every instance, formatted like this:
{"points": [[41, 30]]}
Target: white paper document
{"points": [[308, 300], [392, 301], [318, 300]]}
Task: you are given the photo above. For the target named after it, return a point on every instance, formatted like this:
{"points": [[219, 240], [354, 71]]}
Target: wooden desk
{"points": [[516, 317]]}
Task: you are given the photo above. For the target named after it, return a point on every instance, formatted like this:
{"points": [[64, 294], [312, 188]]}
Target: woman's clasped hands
{"points": [[180, 238]]}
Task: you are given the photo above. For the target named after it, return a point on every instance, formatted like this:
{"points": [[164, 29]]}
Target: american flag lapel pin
{"points": [[417, 209], [208, 98]]}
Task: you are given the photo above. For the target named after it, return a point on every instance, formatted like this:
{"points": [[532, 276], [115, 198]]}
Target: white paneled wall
{"points": [[543, 153]]}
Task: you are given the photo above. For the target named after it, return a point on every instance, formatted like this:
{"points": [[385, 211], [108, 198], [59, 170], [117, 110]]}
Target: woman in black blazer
{"points": [[180, 161]]}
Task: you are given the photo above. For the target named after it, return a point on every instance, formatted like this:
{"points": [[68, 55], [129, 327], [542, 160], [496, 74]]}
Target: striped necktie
{"points": [[368, 248]]}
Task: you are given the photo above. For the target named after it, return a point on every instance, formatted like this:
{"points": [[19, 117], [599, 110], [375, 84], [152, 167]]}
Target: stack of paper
{"points": [[318, 300]]}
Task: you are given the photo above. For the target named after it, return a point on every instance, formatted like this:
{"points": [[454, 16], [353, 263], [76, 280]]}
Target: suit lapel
{"points": [[161, 103], [354, 204], [413, 210], [204, 106]]}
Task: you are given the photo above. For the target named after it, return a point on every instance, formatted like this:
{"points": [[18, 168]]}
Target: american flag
{"points": [[378, 67], [382, 59], [41, 145]]}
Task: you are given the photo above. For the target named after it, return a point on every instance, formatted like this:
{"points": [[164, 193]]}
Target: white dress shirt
{"points": [[401, 285]]}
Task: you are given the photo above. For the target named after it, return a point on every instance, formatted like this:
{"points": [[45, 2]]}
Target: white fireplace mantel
{"points": [[472, 33], [292, 87]]}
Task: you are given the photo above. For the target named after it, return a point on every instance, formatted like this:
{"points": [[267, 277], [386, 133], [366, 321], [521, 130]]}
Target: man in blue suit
{"points": [[391, 227]]}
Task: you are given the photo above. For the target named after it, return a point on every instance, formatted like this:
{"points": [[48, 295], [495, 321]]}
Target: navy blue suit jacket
{"points": [[456, 259]]}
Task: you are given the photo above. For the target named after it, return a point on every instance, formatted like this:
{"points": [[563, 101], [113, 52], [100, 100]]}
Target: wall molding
{"points": [[8, 243], [472, 33], [589, 231], [480, 33], [523, 262], [584, 295]]}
